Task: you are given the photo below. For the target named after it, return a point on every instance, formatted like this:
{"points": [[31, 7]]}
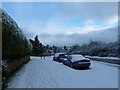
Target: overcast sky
{"points": [[60, 23]]}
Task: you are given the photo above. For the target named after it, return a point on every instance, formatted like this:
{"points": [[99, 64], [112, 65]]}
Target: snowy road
{"points": [[40, 73]]}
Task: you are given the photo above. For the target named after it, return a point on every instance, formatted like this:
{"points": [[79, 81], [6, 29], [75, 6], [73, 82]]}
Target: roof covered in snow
{"points": [[77, 58]]}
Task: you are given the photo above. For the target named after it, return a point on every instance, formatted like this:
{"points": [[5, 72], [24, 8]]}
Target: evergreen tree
{"points": [[38, 48]]}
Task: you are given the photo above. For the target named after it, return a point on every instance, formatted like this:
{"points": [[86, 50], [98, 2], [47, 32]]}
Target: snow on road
{"points": [[45, 73]]}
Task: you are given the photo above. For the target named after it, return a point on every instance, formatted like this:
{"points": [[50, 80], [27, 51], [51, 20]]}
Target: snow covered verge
{"points": [[113, 60], [46, 73]]}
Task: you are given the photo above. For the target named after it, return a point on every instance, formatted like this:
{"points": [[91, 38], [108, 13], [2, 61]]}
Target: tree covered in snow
{"points": [[98, 48], [65, 47], [56, 49], [95, 48], [40, 49]]}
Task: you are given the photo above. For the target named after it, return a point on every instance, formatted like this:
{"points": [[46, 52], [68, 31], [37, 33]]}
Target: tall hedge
{"points": [[14, 44]]}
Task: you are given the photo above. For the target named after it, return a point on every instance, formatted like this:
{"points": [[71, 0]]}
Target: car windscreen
{"points": [[62, 56], [77, 58], [57, 54]]}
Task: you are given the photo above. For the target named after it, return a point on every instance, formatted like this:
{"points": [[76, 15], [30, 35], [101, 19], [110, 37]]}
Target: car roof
{"points": [[57, 54]]}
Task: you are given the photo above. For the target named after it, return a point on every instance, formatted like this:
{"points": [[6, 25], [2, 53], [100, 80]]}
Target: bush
{"points": [[15, 45]]}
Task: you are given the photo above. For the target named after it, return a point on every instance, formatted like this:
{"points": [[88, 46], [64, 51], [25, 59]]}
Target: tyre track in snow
{"points": [[46, 73], [37, 75], [53, 83], [47, 79]]}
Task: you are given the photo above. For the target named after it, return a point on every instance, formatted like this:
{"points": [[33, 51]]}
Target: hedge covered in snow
{"points": [[16, 48], [15, 44]]}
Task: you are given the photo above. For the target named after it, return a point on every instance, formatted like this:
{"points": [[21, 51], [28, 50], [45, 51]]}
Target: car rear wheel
{"points": [[71, 65]]}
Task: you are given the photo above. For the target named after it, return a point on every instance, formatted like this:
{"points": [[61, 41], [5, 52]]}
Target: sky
{"points": [[66, 23]]}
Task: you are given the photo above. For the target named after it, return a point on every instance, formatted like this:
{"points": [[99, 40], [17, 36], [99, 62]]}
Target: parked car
{"points": [[77, 61], [60, 57]]}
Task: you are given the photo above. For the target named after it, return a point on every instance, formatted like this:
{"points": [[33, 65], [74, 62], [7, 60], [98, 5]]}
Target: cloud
{"points": [[60, 0], [112, 20], [53, 28], [106, 35], [89, 10], [66, 23]]}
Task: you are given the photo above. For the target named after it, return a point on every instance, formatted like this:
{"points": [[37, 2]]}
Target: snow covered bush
{"points": [[15, 44]]}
